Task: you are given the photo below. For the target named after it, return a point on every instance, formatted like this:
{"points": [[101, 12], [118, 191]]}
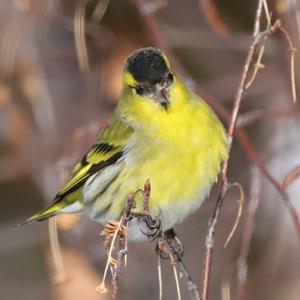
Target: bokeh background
{"points": [[60, 68]]}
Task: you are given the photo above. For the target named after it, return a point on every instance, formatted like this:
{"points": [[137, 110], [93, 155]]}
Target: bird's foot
{"points": [[170, 243], [153, 225]]}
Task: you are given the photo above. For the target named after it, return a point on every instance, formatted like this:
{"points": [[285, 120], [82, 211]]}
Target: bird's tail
{"points": [[45, 214]]}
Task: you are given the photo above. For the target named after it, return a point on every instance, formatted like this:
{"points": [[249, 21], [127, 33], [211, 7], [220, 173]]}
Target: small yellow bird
{"points": [[160, 131]]}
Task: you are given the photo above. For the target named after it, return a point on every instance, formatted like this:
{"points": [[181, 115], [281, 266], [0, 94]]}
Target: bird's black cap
{"points": [[147, 65]]}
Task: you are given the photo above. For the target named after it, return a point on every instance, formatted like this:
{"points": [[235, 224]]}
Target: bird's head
{"points": [[148, 77]]}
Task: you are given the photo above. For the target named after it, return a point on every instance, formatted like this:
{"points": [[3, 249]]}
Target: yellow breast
{"points": [[181, 159]]}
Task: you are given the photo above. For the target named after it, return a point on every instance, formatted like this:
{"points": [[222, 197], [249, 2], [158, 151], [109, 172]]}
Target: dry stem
{"points": [[240, 210], [79, 35], [59, 269], [291, 177], [242, 267], [177, 258], [160, 282], [257, 36]]}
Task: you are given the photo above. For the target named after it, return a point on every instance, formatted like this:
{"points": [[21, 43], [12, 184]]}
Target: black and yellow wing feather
{"points": [[109, 150]]}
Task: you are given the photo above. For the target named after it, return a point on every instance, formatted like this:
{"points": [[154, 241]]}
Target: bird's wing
{"points": [[107, 151]]}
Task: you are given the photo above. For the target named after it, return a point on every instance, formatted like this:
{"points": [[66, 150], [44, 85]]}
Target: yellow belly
{"points": [[180, 180]]}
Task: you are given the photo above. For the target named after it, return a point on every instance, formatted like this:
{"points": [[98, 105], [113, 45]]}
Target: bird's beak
{"points": [[161, 94]]}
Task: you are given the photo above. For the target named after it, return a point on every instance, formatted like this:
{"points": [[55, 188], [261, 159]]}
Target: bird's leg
{"points": [[173, 242], [154, 229]]}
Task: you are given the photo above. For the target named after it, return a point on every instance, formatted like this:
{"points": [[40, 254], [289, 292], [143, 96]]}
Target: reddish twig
{"points": [[292, 49], [240, 210], [213, 17], [242, 267], [224, 181], [291, 177]]}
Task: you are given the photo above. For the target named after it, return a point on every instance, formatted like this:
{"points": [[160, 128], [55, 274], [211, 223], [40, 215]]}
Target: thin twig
{"points": [[100, 10], [79, 35], [257, 66], [8, 51], [101, 288], [223, 183], [59, 269], [267, 12], [225, 290], [240, 210], [295, 8], [213, 16], [291, 177], [292, 61], [114, 229], [160, 282], [255, 190], [173, 263], [192, 287]]}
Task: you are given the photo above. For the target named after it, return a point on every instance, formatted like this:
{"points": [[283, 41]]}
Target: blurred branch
{"points": [[242, 266], [160, 282], [252, 116], [292, 49], [213, 17], [295, 7], [60, 276], [79, 35], [10, 42], [80, 29], [100, 10], [291, 177]]}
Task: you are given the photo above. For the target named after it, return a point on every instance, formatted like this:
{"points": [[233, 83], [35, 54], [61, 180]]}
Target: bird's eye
{"points": [[140, 90], [170, 78]]}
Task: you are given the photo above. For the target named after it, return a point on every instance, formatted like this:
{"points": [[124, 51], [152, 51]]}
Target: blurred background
{"points": [[60, 72]]}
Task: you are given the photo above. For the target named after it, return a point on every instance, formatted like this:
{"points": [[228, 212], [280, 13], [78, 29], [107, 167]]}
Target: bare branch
{"points": [[60, 276], [168, 243], [160, 282], [223, 183], [240, 210], [100, 10], [292, 49], [291, 177], [79, 35], [255, 190], [212, 15]]}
